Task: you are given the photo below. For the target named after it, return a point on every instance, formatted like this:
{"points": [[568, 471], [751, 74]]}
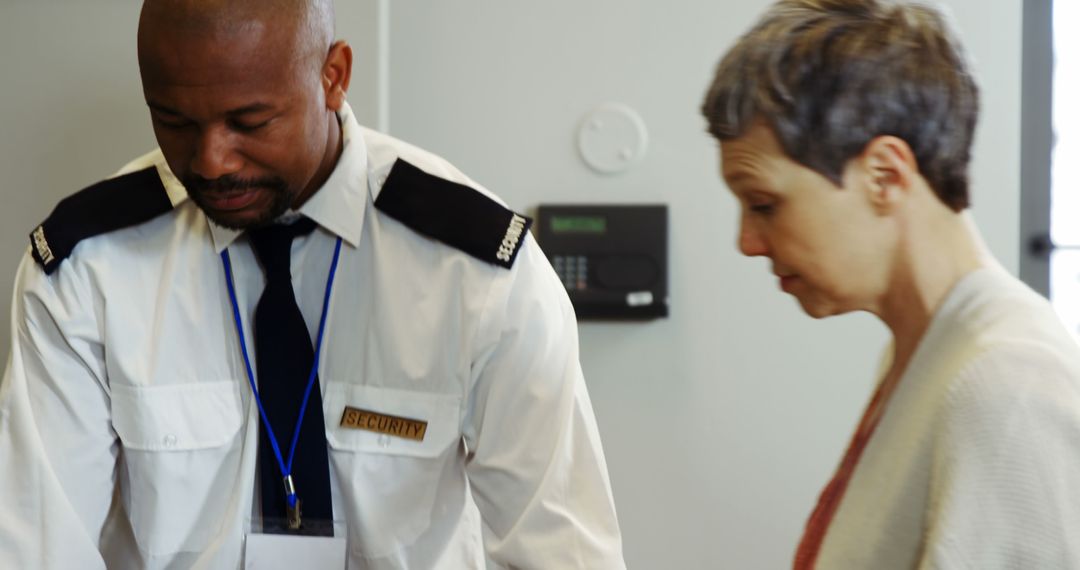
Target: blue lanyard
{"points": [[286, 468]]}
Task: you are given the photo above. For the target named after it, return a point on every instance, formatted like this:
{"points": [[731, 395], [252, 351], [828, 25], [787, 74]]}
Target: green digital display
{"points": [[578, 224]]}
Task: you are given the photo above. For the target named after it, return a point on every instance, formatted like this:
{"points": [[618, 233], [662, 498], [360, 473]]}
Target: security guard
{"points": [[282, 334]]}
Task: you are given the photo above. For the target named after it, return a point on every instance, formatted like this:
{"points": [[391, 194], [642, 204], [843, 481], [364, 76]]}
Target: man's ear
{"points": [[891, 169], [336, 74]]}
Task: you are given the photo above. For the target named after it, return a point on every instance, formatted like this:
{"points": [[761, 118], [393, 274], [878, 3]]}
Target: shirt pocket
{"points": [[181, 457], [390, 484]]}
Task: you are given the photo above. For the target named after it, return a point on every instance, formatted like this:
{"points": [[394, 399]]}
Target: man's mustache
{"points": [[229, 183]]}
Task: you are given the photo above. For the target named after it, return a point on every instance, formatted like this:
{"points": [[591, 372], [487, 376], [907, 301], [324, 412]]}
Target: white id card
{"points": [[289, 552]]}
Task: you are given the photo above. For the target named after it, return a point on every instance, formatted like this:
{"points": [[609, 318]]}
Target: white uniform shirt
{"points": [[126, 376]]}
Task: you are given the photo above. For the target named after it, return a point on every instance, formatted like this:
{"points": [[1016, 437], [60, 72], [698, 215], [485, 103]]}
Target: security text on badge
{"points": [[396, 426]]}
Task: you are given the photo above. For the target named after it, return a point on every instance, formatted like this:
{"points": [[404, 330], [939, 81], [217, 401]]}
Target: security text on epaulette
{"points": [[455, 214], [105, 207]]}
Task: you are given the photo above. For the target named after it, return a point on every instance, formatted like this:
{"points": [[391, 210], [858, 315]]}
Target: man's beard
{"points": [[281, 197]]}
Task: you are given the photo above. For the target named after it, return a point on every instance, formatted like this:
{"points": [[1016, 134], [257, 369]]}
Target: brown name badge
{"points": [[396, 426]]}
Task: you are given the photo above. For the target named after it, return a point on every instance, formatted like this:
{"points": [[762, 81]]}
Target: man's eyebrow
{"points": [[162, 109], [245, 110]]}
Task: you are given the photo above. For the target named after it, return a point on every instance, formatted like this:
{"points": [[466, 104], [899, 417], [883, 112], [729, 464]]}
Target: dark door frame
{"points": [[1036, 143]]}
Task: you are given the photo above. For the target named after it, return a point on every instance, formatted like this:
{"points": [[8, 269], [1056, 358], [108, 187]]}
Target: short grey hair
{"points": [[830, 75]]}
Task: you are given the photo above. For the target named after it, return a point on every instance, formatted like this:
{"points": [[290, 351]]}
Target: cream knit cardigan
{"points": [[976, 462]]}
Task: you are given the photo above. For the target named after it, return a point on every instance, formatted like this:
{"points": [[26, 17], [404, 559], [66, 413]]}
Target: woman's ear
{"points": [[891, 170], [336, 74]]}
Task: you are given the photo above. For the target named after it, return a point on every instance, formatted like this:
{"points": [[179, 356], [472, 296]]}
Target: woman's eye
{"points": [[762, 208]]}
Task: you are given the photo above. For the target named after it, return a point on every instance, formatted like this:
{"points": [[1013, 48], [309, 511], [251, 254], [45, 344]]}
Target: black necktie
{"points": [[283, 359]]}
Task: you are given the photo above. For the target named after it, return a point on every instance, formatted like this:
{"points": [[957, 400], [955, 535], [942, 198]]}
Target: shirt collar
{"points": [[338, 206]]}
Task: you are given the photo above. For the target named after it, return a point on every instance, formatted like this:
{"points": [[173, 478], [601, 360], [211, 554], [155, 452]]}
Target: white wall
{"points": [[722, 422], [72, 111]]}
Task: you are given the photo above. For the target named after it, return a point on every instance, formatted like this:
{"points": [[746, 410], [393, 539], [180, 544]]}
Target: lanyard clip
{"points": [[292, 504], [292, 513]]}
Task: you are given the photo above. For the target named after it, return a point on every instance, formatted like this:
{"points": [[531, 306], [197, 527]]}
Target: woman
{"points": [[845, 129]]}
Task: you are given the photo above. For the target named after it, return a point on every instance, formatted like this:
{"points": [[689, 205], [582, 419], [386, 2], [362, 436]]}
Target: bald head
{"points": [[243, 96], [307, 25]]}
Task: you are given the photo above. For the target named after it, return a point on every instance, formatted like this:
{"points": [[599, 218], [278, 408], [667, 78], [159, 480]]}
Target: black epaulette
{"points": [[107, 206], [455, 214]]}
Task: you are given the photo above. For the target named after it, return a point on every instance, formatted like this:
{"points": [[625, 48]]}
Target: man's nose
{"points": [[215, 156]]}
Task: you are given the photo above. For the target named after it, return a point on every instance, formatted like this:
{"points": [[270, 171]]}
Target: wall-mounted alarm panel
{"points": [[611, 258]]}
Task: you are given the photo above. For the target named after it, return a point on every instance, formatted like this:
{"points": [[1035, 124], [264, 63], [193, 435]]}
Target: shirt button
{"points": [[384, 440], [169, 441]]}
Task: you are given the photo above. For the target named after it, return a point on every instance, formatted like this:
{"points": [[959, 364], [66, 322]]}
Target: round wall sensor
{"points": [[612, 137]]}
